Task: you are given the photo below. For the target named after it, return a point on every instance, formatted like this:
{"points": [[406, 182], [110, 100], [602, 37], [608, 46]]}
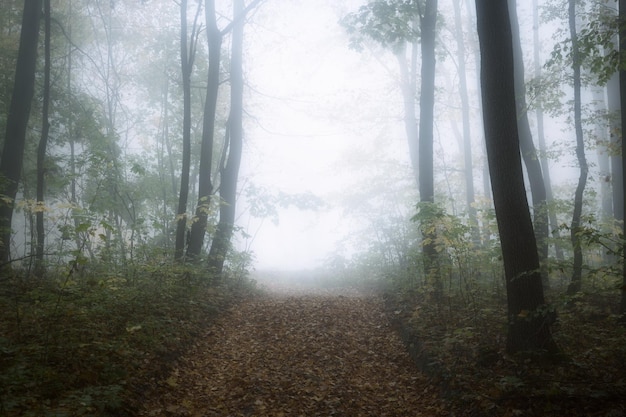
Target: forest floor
{"points": [[291, 354], [343, 352], [167, 344]]}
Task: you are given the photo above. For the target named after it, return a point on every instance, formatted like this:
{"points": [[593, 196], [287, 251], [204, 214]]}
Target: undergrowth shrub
{"points": [[83, 342]]}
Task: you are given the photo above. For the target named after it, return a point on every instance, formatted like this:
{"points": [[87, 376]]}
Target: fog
{"points": [[313, 102], [321, 121], [327, 119]]}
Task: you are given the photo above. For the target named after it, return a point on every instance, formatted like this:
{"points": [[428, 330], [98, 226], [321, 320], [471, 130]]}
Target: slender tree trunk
{"points": [[528, 328], [545, 167], [181, 213], [17, 120], [614, 107], [622, 80], [229, 172], [408, 87], [529, 154], [602, 152], [486, 187], [205, 187], [187, 57], [428, 23], [577, 269], [465, 112], [43, 143]]}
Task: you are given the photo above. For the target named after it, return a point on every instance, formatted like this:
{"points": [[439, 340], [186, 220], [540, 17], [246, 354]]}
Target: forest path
{"points": [[297, 355]]}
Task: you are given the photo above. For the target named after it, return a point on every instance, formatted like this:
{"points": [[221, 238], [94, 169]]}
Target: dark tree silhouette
{"points": [[17, 119], [577, 268], [428, 22], [622, 80], [528, 328], [229, 171], [187, 55], [205, 186], [43, 142], [529, 153]]}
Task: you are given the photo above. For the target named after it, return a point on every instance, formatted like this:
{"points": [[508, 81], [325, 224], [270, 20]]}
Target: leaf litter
{"points": [[297, 355]]}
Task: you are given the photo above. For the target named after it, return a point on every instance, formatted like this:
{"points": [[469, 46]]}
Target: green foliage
{"points": [[389, 23], [80, 343], [264, 203], [597, 43]]}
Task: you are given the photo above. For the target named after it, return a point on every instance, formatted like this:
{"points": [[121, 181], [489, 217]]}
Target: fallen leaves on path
{"points": [[314, 355]]}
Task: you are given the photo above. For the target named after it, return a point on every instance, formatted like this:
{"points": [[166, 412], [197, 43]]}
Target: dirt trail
{"points": [[297, 355]]}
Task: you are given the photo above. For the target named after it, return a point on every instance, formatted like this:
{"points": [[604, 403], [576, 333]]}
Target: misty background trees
{"points": [[463, 157], [153, 126]]}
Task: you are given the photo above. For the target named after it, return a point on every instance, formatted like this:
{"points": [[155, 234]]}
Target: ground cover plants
{"points": [[85, 343], [459, 341]]}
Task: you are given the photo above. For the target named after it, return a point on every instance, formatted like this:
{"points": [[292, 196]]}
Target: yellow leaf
{"points": [[172, 381]]}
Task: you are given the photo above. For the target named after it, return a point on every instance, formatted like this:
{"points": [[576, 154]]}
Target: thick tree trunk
{"points": [[528, 328], [230, 171], [205, 187], [577, 268], [529, 154], [17, 119]]}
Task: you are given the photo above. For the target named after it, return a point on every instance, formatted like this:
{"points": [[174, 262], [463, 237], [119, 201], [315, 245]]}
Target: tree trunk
{"points": [[186, 67], [229, 173], [43, 144], [465, 112], [577, 268], [528, 328], [428, 23], [545, 167], [600, 133], [17, 119], [622, 80], [408, 88], [205, 187], [614, 105], [529, 154]]}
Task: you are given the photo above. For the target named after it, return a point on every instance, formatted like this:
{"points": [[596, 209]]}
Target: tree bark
{"points": [[622, 80], [614, 106], [577, 268], [527, 147], [186, 62], [229, 173], [545, 166], [428, 21], [43, 144], [408, 88], [205, 186], [17, 119], [465, 113], [600, 133], [528, 328]]}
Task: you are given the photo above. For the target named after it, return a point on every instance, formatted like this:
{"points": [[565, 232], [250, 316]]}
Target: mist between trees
{"points": [[465, 156]]}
